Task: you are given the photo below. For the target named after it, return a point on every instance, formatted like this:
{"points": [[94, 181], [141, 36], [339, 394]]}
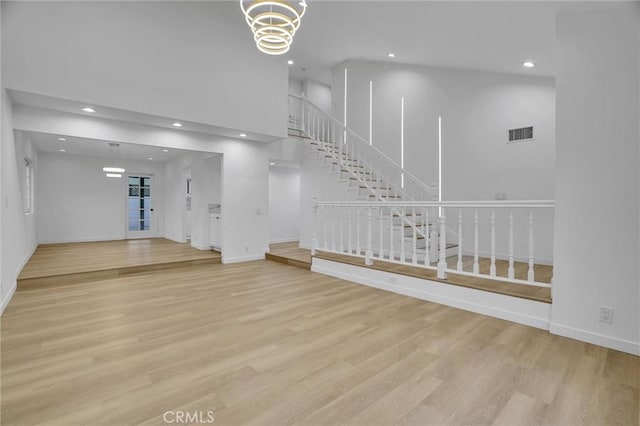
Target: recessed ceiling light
{"points": [[391, 55], [62, 150], [62, 139], [177, 124], [165, 150], [290, 61], [272, 163], [243, 135], [113, 169], [150, 158], [88, 109], [528, 64]]}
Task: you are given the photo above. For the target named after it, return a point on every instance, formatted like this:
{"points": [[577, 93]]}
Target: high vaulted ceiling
{"points": [[479, 35]]}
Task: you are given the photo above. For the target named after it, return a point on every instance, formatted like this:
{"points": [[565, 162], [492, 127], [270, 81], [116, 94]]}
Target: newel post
{"points": [[314, 238], [442, 263]]}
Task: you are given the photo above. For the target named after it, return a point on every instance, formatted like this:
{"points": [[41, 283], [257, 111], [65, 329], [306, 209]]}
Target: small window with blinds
{"points": [[521, 134]]}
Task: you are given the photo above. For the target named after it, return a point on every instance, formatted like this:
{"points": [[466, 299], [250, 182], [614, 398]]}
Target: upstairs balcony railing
{"points": [[493, 239]]}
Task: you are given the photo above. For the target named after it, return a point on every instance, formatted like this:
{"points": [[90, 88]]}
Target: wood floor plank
{"points": [[72, 258], [262, 343]]}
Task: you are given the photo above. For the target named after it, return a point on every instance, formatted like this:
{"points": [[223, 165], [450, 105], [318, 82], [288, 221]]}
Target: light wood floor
{"points": [[291, 250], [262, 343], [73, 258]]}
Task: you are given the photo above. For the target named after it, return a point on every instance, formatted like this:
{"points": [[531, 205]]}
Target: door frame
{"points": [[151, 233]]}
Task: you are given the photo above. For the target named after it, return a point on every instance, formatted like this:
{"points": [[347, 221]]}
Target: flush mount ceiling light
{"points": [[273, 22], [177, 124], [528, 64], [290, 62], [88, 109], [113, 170], [243, 135], [391, 55], [62, 139]]}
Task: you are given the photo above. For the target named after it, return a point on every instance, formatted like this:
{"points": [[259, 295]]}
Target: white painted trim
{"points": [[439, 161], [81, 240], [284, 240], [176, 239], [25, 260], [595, 338], [200, 246], [523, 311], [305, 245], [8, 297], [240, 259]]}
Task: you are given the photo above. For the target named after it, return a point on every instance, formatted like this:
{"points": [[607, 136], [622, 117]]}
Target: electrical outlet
{"points": [[606, 314]]}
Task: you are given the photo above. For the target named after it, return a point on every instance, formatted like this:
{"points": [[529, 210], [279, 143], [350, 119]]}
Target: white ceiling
{"points": [[479, 35], [75, 107], [46, 142]]}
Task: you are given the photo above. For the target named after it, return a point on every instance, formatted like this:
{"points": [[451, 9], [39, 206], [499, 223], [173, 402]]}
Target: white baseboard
{"points": [[284, 240], [304, 245], [242, 258], [200, 246], [174, 239], [596, 338], [522, 311], [7, 298], [25, 260], [82, 240]]}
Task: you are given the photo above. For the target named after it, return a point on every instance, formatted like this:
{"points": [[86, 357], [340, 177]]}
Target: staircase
{"points": [[376, 178]]}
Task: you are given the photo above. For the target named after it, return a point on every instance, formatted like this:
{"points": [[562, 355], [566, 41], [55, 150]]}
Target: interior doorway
{"points": [[140, 217]]}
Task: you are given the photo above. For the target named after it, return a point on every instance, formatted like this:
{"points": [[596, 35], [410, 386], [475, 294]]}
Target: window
{"points": [[28, 186]]}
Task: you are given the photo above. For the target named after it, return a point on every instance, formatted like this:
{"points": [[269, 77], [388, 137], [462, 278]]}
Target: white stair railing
{"points": [[385, 179], [508, 224]]}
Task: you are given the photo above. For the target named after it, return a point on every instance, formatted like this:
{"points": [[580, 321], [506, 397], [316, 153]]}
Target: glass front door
{"points": [[139, 207]]}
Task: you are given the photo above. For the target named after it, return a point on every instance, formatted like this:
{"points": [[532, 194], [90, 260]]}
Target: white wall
{"points": [[317, 180], [598, 177], [318, 93], [175, 200], [245, 169], [193, 61], [78, 203], [295, 86], [206, 175], [18, 228], [284, 204], [476, 108]]}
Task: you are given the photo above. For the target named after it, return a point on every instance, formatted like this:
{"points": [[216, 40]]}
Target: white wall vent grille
{"points": [[520, 135]]}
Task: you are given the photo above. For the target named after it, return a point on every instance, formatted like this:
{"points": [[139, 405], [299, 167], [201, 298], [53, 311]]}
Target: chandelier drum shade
{"points": [[273, 22]]}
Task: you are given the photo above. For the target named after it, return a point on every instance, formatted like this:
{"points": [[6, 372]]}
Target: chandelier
{"points": [[273, 22]]}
